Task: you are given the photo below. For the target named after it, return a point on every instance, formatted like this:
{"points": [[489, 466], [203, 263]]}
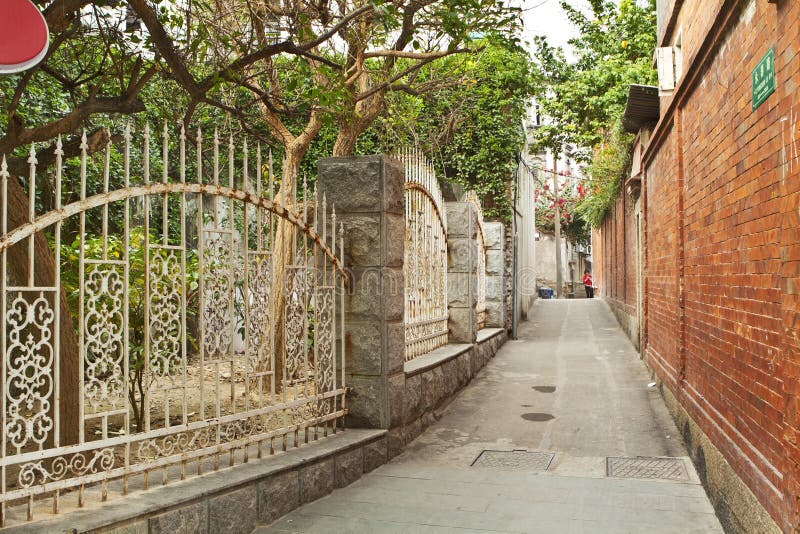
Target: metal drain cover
{"points": [[647, 467], [514, 460]]}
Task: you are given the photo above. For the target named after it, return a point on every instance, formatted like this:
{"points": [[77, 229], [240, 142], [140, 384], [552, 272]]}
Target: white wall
{"points": [[525, 229], [546, 261]]}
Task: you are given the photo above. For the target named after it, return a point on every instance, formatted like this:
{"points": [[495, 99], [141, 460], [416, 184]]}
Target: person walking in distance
{"points": [[587, 284]]}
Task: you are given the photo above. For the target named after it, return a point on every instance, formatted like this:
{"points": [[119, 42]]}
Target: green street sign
{"points": [[764, 78]]}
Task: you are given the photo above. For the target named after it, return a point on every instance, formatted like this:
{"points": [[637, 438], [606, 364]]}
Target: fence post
{"points": [[495, 275], [367, 192], [462, 271]]}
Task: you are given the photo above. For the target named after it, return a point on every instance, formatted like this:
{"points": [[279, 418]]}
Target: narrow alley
{"points": [[559, 433]]}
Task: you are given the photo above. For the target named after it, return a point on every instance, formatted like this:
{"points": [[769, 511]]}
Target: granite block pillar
{"points": [[462, 271], [495, 274], [367, 192]]}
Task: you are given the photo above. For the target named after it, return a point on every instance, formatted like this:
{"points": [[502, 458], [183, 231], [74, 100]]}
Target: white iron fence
{"points": [[472, 197], [425, 257], [155, 327]]}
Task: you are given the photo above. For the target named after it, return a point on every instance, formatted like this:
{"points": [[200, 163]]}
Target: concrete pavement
{"points": [[572, 387]]}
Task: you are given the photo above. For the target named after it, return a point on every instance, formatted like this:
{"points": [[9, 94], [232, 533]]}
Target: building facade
{"points": [[700, 256]]}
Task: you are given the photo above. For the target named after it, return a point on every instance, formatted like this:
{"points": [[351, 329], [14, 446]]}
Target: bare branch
{"points": [[414, 55]]}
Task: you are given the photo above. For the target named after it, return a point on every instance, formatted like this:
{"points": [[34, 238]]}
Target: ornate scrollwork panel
{"points": [[29, 367], [152, 449], [296, 289], [104, 352], [325, 339], [243, 428], [260, 279], [79, 464], [166, 313], [217, 315]]}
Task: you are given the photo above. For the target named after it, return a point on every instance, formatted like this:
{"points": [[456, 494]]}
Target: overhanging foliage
{"points": [[583, 100]]}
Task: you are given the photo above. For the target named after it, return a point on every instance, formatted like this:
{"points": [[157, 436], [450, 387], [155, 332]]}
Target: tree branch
{"points": [[414, 55], [383, 86], [97, 140], [60, 13], [18, 135], [166, 48]]}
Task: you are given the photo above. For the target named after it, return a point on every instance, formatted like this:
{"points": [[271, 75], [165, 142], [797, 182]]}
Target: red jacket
{"points": [[587, 279]]}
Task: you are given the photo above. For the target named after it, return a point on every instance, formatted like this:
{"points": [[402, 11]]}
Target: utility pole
{"points": [[559, 281]]}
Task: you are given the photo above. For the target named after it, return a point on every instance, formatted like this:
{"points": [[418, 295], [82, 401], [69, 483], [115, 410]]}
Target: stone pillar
{"points": [[462, 269], [495, 275], [367, 192]]}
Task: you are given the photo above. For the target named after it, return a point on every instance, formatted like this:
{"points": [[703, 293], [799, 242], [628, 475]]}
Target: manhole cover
{"points": [[647, 467], [538, 417], [514, 460]]}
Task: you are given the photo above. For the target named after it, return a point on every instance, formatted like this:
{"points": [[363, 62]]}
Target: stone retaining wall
{"points": [[434, 379], [235, 500]]}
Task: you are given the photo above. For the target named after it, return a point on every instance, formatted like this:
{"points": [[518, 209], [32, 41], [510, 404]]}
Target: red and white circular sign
{"points": [[23, 36]]}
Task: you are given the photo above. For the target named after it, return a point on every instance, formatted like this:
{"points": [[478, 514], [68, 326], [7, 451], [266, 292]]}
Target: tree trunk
{"points": [[282, 256], [44, 276], [295, 147], [345, 143], [351, 128]]}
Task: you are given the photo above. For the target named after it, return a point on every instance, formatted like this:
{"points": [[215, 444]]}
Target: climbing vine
{"points": [[606, 172]]}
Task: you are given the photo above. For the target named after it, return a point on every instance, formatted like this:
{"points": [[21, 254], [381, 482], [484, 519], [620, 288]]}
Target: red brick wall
{"points": [[631, 256], [722, 268], [619, 251], [661, 267], [598, 260], [694, 21], [617, 241], [787, 362]]}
